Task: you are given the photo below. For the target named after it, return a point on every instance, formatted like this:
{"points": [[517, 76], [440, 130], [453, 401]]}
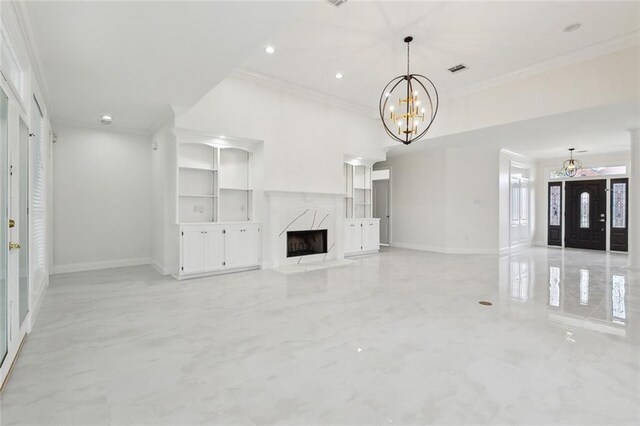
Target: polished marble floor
{"points": [[396, 338]]}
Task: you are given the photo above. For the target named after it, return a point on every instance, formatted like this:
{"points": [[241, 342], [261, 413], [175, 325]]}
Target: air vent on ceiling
{"points": [[337, 2], [458, 68]]}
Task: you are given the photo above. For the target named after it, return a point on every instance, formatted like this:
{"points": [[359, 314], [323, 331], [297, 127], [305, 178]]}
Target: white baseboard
{"points": [[445, 250], [36, 301], [159, 268], [92, 266]]}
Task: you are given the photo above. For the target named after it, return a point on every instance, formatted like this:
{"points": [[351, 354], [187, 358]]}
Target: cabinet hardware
{"points": [[12, 223], [182, 233], [224, 231], [14, 246], [224, 263], [182, 268]]}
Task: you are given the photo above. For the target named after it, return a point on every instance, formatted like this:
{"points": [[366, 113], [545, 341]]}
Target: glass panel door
{"points": [[4, 224], [23, 221]]}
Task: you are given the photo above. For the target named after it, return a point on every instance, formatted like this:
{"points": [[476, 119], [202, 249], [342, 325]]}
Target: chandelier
{"points": [[408, 105], [571, 167]]}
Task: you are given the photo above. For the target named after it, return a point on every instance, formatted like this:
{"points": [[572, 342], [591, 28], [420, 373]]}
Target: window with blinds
{"points": [[38, 192]]}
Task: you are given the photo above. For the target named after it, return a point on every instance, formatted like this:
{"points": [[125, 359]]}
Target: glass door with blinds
{"points": [[23, 221], [5, 306]]}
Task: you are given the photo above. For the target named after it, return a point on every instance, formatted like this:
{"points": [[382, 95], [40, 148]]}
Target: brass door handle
{"points": [[14, 246]]}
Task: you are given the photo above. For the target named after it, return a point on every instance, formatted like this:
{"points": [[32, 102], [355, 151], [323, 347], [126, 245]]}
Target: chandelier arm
{"points": [[428, 97], [435, 92]]}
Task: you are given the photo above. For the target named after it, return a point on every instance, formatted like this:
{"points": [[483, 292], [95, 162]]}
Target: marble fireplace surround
{"points": [[297, 211]]}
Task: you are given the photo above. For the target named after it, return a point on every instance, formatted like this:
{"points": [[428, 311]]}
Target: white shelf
{"points": [[214, 183], [358, 191], [201, 169]]}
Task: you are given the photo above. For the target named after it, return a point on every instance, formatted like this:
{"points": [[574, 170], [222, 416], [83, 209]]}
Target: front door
{"points": [[586, 210]]}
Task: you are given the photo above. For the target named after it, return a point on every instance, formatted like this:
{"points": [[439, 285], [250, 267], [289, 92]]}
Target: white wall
{"points": [[543, 167], [102, 201], [305, 141], [445, 200]]}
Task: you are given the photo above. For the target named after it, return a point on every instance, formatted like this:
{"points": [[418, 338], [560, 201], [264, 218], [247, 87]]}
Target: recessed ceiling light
{"points": [[572, 27], [270, 49], [338, 75], [106, 119]]}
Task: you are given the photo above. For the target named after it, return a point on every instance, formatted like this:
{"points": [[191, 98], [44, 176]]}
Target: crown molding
{"points": [[301, 91], [599, 49]]}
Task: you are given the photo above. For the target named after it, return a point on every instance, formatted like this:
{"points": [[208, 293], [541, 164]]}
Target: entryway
{"points": [[381, 203], [590, 217]]}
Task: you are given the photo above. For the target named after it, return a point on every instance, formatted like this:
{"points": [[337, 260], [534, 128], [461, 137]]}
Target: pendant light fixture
{"points": [[571, 167], [408, 105]]}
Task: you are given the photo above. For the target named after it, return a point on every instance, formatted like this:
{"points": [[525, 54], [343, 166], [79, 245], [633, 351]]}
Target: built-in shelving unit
{"points": [[213, 184], [358, 200]]}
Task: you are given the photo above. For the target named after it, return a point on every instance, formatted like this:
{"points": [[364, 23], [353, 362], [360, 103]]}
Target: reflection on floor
{"points": [[395, 338]]}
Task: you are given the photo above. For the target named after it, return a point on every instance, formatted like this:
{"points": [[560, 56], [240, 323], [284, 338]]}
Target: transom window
{"points": [[592, 171]]}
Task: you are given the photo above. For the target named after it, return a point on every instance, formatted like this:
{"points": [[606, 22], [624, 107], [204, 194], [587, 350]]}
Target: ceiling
{"points": [[133, 60], [594, 130], [364, 41]]}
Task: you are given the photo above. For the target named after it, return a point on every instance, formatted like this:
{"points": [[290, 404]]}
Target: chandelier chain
{"points": [[408, 56]]}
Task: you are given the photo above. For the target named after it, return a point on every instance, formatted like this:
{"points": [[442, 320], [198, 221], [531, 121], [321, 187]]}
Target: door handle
{"points": [[14, 246]]}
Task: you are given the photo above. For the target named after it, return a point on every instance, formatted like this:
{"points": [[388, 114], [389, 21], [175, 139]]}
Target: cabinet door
{"points": [[192, 251], [352, 237], [371, 235], [233, 238], [213, 249], [251, 245]]}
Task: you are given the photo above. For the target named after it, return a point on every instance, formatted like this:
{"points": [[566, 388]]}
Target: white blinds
{"points": [[39, 193]]}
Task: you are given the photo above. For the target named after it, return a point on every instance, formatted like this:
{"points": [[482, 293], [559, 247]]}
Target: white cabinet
{"points": [[361, 236], [206, 249], [192, 251], [371, 235], [233, 247], [252, 244], [213, 249]]}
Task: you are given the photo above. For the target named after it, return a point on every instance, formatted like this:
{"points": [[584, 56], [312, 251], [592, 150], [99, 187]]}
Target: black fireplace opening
{"points": [[304, 243]]}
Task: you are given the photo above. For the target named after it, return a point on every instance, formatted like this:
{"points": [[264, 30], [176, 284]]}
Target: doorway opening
{"points": [[382, 203]]}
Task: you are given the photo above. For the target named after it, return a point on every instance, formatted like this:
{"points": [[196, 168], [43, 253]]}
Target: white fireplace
{"points": [[302, 228]]}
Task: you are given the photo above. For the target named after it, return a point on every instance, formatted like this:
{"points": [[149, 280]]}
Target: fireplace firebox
{"points": [[304, 243]]}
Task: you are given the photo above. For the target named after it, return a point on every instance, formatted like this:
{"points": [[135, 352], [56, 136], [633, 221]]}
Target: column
{"points": [[634, 201]]}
